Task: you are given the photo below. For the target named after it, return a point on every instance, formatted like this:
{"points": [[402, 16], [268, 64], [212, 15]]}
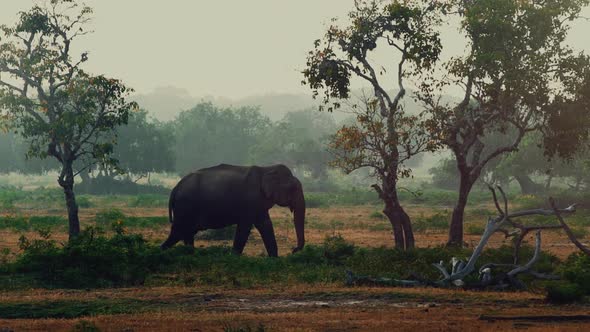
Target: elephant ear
{"points": [[270, 181]]}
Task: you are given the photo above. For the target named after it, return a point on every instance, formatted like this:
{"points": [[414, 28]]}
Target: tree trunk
{"points": [[398, 230], [456, 227], [66, 181], [548, 183], [527, 186], [406, 225], [400, 221]]}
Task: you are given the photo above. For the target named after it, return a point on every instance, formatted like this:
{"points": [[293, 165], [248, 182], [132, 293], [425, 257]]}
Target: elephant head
{"points": [[282, 188]]}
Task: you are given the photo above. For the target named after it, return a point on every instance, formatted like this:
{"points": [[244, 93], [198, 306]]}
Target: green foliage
{"points": [[90, 260], [445, 174], [207, 135], [106, 185], [114, 217], [65, 309], [560, 292], [579, 232], [149, 200], [399, 264], [474, 229], [438, 221], [107, 217], [576, 269], [337, 250], [122, 260], [144, 146], [32, 223], [84, 202], [377, 215], [11, 197], [350, 197]]}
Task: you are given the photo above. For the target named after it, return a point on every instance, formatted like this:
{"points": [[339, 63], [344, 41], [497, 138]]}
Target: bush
{"points": [[23, 224], [337, 250], [95, 260], [90, 260], [474, 229], [104, 185], [108, 217], [149, 201], [437, 221], [37, 199], [576, 269], [84, 202], [564, 292]]}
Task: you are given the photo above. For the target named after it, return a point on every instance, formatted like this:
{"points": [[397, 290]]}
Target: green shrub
{"points": [[437, 221], [38, 199], [149, 200], [576, 269], [84, 202], [108, 217], [474, 229], [377, 215], [23, 224], [38, 222], [337, 250], [579, 232], [564, 292], [15, 223], [90, 260], [122, 260], [350, 197]]}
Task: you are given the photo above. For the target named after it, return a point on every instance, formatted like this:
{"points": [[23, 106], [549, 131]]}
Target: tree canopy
{"points": [[62, 111]]}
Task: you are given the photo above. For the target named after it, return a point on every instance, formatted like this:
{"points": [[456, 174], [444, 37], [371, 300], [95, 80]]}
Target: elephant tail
{"points": [[171, 205]]}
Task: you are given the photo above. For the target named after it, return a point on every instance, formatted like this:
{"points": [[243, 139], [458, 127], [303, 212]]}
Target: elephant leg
{"points": [[189, 239], [241, 237], [172, 239], [267, 233]]}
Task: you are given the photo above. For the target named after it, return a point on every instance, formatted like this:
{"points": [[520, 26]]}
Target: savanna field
{"points": [[115, 277]]}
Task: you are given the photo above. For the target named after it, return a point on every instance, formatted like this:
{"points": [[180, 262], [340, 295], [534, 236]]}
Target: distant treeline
{"points": [[207, 135], [203, 136]]}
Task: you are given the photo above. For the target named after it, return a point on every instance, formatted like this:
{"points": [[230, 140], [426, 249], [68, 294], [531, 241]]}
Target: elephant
{"points": [[223, 195]]}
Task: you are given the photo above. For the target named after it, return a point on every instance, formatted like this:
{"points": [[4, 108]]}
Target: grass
{"points": [[106, 218], [19, 223], [438, 221], [95, 260], [71, 308]]}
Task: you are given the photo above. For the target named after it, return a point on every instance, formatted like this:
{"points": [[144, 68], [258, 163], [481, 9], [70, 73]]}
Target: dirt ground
{"points": [[309, 308]]}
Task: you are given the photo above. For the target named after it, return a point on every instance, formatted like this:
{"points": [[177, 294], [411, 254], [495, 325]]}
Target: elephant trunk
{"points": [[298, 207]]}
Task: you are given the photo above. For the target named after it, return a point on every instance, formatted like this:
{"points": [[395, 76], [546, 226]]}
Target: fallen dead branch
{"points": [[461, 269]]}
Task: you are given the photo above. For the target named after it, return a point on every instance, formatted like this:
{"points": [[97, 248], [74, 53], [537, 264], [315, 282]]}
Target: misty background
{"points": [[205, 57]]}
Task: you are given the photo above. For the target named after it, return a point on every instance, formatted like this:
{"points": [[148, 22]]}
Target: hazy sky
{"points": [[230, 48]]}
